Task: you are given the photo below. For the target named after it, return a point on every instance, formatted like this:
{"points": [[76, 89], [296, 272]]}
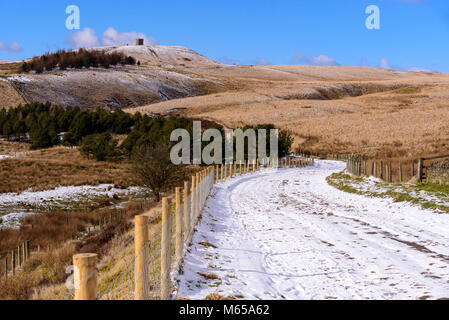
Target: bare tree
{"points": [[154, 169]]}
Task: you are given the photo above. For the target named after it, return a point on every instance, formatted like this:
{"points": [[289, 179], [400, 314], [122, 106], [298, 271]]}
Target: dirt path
{"points": [[289, 235]]}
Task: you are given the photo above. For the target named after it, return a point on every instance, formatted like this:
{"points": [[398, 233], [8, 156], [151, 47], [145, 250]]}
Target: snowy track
{"points": [[289, 235]]}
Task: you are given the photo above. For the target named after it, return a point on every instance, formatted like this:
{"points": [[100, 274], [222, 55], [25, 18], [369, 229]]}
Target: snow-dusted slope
{"points": [[289, 235], [163, 74], [167, 56]]}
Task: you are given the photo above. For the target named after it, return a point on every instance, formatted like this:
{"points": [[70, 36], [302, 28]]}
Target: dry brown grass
{"points": [[10, 148], [207, 244], [44, 274], [8, 95], [59, 166], [370, 111], [209, 276], [217, 297]]}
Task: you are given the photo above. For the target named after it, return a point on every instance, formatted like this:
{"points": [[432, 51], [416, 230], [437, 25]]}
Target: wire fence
{"points": [[146, 270]]}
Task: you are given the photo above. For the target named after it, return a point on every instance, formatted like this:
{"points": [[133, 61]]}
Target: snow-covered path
{"points": [[289, 235]]}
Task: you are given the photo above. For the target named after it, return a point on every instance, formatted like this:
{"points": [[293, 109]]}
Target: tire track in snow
{"points": [[289, 235]]}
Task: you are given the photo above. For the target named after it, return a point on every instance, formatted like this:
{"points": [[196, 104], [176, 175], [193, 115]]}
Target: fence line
{"points": [[12, 262], [386, 171], [159, 249]]}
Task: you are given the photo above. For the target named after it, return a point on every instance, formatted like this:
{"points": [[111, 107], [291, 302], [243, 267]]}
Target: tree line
{"points": [[46, 125], [147, 144], [79, 59]]}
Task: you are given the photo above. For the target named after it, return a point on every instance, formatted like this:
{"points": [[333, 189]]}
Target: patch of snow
{"points": [[290, 235], [13, 220], [20, 79], [63, 194], [376, 186]]}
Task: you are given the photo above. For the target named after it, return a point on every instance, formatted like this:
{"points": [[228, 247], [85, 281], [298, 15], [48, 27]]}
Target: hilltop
{"points": [[384, 113]]}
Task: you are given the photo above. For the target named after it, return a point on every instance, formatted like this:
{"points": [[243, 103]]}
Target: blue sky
{"points": [[414, 34]]}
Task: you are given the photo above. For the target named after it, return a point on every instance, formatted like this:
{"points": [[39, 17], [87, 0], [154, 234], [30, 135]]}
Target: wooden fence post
{"points": [[85, 276], [193, 200], [13, 262], [19, 257], [390, 172], [197, 196], [165, 251], [141, 257], [187, 209], [401, 178], [413, 169], [216, 174], [27, 249], [179, 223], [6, 266]]}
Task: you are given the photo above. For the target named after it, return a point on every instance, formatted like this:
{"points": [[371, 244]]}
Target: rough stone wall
{"points": [[438, 172]]}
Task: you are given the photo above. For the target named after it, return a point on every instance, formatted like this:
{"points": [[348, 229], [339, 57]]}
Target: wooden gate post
{"points": [[420, 169], [165, 251], [85, 276], [141, 257]]}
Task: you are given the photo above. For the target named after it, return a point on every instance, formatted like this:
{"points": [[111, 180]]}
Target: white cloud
{"points": [[85, 38], [13, 46], [321, 60], [112, 37], [88, 38]]}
